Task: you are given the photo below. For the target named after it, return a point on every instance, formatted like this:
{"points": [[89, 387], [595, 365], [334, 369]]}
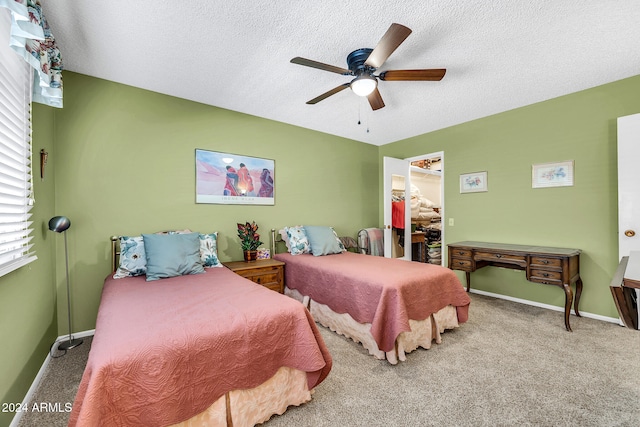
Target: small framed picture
{"points": [[557, 174], [475, 182]]}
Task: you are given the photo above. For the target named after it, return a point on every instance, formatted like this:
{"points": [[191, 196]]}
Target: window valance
{"points": [[32, 40]]}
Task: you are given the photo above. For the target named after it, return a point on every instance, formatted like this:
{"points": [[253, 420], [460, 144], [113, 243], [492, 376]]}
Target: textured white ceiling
{"points": [[499, 55]]}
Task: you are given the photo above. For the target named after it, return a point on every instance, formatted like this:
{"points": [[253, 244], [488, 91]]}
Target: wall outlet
{"points": [[451, 222]]}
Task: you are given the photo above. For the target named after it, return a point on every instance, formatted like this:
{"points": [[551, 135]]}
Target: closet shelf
{"points": [[425, 171]]}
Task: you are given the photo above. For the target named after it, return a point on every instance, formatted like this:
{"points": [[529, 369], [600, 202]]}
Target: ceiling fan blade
{"points": [[394, 36], [375, 100], [319, 65], [435, 74], [328, 94]]}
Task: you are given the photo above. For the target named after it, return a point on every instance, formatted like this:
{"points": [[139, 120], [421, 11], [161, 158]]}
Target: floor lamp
{"points": [[60, 224]]}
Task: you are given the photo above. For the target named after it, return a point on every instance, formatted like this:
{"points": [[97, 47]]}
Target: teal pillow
{"points": [[170, 255], [323, 240]]}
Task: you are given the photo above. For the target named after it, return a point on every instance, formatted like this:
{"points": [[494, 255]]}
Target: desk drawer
{"points": [[545, 281], [546, 275], [461, 264], [506, 258], [544, 262], [462, 253]]}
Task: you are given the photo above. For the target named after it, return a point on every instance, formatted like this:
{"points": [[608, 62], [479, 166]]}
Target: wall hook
{"points": [[43, 162]]}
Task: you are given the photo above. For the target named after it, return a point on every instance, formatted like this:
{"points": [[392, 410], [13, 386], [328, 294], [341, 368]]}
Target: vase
{"points": [[250, 256]]}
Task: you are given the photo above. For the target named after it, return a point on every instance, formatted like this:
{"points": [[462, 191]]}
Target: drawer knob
{"points": [[460, 263], [460, 253], [545, 261], [498, 256], [629, 233], [545, 274]]}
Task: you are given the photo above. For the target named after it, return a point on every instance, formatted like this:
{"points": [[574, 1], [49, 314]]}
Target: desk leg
{"points": [[468, 276], [567, 305], [577, 299]]}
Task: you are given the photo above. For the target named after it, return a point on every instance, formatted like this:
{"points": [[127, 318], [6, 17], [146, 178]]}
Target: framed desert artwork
{"points": [[226, 178]]}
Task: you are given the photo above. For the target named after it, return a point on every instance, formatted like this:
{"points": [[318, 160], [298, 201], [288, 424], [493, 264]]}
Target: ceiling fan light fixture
{"points": [[363, 85]]}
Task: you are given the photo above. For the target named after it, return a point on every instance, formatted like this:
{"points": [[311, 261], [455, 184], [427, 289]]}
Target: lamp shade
{"points": [[363, 85], [59, 224]]}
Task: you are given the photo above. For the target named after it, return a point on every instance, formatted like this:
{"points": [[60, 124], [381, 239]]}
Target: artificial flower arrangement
{"points": [[249, 237]]}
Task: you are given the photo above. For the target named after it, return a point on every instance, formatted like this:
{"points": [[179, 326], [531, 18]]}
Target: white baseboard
{"points": [[547, 306], [82, 334], [40, 374]]}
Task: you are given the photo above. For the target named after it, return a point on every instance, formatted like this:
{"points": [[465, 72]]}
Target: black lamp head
{"points": [[59, 224]]}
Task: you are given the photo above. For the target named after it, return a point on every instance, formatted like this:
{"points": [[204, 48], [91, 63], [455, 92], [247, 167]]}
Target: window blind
{"points": [[16, 197]]}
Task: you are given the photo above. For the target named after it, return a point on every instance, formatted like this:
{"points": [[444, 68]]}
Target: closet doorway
{"points": [[427, 206], [416, 186]]}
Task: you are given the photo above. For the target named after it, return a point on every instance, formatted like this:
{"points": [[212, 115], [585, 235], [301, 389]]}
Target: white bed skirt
{"points": [[422, 334], [254, 406]]}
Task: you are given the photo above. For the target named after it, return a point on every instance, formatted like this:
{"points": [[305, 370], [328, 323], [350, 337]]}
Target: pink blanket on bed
{"points": [[382, 291], [164, 351]]}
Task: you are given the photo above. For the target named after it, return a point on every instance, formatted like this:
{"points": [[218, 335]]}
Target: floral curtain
{"points": [[31, 38]]}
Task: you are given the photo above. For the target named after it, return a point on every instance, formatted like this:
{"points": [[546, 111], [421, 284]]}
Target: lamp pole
{"points": [[60, 224], [71, 343]]}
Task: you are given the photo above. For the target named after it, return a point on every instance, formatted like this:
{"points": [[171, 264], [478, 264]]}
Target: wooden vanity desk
{"points": [[546, 265]]}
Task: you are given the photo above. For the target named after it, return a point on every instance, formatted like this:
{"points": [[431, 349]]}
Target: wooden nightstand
{"points": [[266, 272]]}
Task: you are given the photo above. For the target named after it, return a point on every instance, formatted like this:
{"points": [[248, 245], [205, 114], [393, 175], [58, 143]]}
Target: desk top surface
{"points": [[530, 249]]}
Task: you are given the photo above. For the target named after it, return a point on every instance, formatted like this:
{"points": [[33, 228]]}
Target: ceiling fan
{"points": [[363, 63]]}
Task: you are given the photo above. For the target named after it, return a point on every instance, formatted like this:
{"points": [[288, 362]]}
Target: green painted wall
{"points": [[28, 295], [579, 127], [125, 164]]}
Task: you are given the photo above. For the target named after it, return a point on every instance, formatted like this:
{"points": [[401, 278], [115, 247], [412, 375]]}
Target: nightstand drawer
{"points": [[266, 272], [264, 276]]}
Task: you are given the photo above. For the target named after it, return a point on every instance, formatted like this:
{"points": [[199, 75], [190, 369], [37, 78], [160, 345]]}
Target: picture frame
{"points": [[554, 174], [475, 182], [233, 179]]}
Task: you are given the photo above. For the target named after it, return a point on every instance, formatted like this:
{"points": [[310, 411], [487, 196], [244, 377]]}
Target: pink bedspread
{"points": [[382, 291], [164, 351]]}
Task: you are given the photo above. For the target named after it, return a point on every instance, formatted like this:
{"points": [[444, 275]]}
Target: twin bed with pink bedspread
{"points": [[216, 349], [202, 349], [391, 306]]}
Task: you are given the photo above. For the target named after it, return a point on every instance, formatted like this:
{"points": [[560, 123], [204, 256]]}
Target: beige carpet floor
{"points": [[509, 365]]}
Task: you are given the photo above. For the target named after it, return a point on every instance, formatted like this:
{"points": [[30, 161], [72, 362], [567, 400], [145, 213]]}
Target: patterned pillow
{"points": [[340, 243], [298, 242], [133, 259], [209, 250], [285, 239]]}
